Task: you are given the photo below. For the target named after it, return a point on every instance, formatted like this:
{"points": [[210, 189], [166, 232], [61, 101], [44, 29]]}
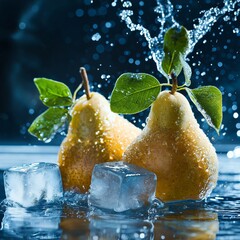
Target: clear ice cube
{"points": [[32, 184], [119, 186]]}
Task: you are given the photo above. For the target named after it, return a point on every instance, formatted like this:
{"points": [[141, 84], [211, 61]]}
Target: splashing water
{"points": [[208, 19], [96, 37], [166, 19]]}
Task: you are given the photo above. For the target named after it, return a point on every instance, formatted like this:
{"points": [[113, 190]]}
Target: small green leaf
{"points": [[175, 43], [45, 126], [134, 92], [186, 70], [53, 93], [208, 100]]}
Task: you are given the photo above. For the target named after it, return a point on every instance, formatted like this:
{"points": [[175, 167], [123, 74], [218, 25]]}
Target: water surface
{"points": [[216, 218]]}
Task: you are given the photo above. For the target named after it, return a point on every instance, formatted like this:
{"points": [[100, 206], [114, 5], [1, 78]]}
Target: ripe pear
{"points": [[174, 147], [95, 135]]}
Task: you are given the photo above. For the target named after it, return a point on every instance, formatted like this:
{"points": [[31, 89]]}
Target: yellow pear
{"points": [[95, 135], [174, 147]]}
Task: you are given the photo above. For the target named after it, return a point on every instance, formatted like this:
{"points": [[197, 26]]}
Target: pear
{"points": [[174, 147], [95, 135]]}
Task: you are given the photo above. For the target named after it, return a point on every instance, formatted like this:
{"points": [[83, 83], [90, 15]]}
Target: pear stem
{"points": [[84, 76], [174, 83]]}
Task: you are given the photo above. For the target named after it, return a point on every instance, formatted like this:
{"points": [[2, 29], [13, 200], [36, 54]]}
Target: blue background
{"points": [[54, 38]]}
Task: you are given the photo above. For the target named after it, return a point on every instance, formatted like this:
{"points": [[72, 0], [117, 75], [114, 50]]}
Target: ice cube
{"points": [[119, 186], [32, 184]]}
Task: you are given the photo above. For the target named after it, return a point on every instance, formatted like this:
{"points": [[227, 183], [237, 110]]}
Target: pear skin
{"points": [[95, 135], [174, 147]]}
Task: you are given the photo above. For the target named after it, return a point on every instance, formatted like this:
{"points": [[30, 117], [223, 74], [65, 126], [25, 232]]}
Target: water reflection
{"points": [[75, 228], [175, 221], [183, 220], [107, 229], [189, 224], [218, 217], [27, 224], [179, 220]]}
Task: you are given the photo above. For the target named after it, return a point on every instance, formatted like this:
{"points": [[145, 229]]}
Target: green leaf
{"points": [[186, 70], [45, 126], [208, 100], [53, 93], [175, 43], [134, 92]]}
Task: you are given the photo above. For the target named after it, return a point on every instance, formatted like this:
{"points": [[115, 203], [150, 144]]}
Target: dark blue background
{"points": [[54, 38]]}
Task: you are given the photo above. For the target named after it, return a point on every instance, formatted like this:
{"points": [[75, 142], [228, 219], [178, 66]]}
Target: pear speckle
{"points": [[174, 147], [95, 135]]}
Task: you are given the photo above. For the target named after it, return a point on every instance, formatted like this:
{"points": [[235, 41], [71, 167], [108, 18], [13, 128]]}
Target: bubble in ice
{"points": [[96, 37]]}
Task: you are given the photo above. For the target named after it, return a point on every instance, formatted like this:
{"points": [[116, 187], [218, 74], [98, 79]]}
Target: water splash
{"points": [[165, 18], [165, 11], [96, 37], [209, 18]]}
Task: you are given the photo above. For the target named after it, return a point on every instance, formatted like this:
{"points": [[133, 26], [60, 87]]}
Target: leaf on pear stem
{"points": [[134, 92], [176, 43], [45, 126], [208, 100], [53, 93]]}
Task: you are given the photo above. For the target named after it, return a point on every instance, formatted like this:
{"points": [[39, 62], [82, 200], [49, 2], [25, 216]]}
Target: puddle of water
{"points": [[216, 218]]}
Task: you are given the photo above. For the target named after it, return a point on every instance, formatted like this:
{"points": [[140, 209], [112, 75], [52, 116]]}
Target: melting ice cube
{"points": [[120, 186], [31, 184]]}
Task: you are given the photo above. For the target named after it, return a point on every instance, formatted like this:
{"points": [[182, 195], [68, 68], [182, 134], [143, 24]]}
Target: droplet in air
{"points": [[127, 4], [96, 37]]}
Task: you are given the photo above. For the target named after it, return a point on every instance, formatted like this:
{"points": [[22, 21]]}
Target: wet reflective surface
{"points": [[216, 218]]}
